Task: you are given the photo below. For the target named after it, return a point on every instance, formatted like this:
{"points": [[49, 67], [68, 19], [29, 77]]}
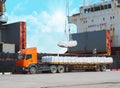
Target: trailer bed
{"points": [[76, 60]]}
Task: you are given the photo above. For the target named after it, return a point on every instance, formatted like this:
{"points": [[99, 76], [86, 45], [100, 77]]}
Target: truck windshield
{"points": [[21, 57]]}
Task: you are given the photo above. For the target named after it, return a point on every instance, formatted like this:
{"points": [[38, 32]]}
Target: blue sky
{"points": [[45, 20]]}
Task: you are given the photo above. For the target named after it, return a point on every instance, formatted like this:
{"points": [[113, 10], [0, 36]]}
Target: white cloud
{"points": [[17, 8], [43, 21], [53, 22], [42, 28], [19, 5]]}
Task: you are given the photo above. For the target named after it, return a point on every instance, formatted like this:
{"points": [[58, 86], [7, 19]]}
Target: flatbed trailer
{"points": [[29, 61]]}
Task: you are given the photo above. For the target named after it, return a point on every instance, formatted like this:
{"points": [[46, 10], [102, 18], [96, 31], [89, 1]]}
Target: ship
{"points": [[98, 27]]}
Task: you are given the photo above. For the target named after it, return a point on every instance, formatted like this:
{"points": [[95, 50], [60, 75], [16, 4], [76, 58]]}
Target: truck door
{"points": [[28, 60]]}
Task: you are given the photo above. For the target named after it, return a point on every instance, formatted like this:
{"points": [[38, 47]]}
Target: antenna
{"points": [[67, 16], [67, 8], [85, 2], [66, 19]]}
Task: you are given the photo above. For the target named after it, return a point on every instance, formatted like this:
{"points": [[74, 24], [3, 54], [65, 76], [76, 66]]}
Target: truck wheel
{"points": [[97, 68], [53, 69], [33, 70], [61, 69], [103, 68]]}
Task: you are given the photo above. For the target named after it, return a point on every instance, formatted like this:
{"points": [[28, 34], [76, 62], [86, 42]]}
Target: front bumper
{"points": [[22, 69]]}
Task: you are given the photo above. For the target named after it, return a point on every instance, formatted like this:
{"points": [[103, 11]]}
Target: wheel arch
{"points": [[33, 65]]}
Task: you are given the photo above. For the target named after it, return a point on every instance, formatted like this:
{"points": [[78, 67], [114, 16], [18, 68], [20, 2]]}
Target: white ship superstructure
{"points": [[102, 16]]}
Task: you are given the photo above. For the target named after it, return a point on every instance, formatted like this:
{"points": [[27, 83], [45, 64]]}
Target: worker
{"points": [[95, 52]]}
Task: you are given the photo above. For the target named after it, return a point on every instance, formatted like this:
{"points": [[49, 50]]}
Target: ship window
{"points": [[92, 9], [102, 7], [109, 5], [103, 19], [92, 20], [84, 22], [105, 7], [113, 17], [97, 8], [88, 10], [110, 17], [85, 10]]}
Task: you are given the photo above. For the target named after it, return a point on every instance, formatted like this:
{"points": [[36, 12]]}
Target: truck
{"points": [[29, 61]]}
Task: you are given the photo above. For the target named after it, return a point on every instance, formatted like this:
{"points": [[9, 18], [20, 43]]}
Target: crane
{"points": [[2, 1], [70, 43]]}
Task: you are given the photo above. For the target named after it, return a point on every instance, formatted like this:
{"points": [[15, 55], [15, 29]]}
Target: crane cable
{"points": [[65, 20], [70, 43], [67, 15]]}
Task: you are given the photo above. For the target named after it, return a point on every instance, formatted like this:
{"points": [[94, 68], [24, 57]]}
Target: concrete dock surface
{"points": [[109, 79]]}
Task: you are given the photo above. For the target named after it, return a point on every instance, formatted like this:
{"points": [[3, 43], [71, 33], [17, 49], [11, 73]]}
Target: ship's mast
{"points": [[84, 2], [70, 42]]}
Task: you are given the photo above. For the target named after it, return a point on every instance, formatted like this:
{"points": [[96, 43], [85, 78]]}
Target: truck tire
{"points": [[97, 68], [61, 69], [103, 68], [33, 70], [53, 69]]}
